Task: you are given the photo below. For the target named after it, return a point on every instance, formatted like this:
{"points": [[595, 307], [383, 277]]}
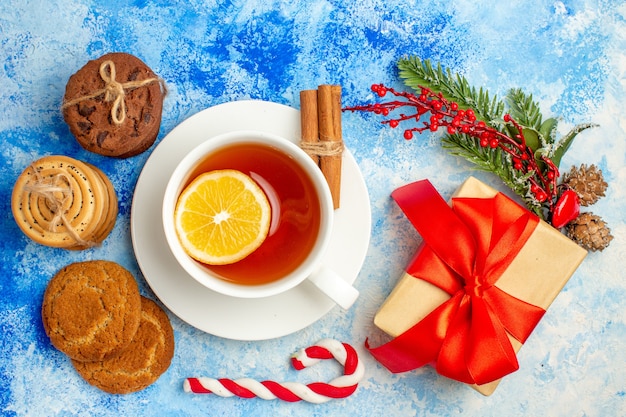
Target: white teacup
{"points": [[311, 266]]}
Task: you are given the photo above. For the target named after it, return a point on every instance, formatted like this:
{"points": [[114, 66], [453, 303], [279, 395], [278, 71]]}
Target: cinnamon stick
{"points": [[329, 119], [308, 119]]}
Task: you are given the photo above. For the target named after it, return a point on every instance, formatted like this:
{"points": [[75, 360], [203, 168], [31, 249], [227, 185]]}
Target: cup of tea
{"points": [[301, 218]]}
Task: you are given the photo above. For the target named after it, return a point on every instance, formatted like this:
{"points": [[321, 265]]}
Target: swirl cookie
{"points": [[61, 202], [91, 310], [142, 362], [113, 105]]}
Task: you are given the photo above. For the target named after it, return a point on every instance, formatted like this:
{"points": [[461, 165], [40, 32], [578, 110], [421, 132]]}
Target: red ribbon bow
{"points": [[465, 251]]}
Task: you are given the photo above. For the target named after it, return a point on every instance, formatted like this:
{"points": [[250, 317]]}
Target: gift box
{"points": [[479, 283]]}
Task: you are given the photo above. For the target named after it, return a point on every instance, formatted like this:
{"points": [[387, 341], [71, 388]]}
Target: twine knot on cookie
{"points": [[56, 192], [114, 91]]}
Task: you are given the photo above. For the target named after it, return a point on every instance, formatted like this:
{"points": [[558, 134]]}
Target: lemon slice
{"points": [[221, 217]]}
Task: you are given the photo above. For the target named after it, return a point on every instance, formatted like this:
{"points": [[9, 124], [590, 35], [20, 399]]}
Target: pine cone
{"points": [[588, 183], [590, 232]]}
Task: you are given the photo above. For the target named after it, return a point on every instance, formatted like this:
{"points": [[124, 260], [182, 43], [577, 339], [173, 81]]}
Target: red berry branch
{"points": [[434, 112]]}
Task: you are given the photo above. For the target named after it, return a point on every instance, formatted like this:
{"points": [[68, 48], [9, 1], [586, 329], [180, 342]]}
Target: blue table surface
{"points": [[568, 54]]}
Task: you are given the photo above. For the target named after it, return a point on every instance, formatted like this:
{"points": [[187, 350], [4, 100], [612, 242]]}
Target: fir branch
{"points": [[492, 160], [418, 73], [524, 109]]}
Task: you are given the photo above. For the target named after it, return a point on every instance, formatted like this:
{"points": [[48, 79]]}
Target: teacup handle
{"points": [[335, 287]]}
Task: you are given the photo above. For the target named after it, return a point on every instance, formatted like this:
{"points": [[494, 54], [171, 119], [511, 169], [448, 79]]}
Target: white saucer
{"points": [[214, 313]]}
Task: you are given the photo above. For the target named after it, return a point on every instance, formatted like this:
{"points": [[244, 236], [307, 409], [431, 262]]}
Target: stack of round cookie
{"points": [[113, 105], [61, 202], [117, 340]]}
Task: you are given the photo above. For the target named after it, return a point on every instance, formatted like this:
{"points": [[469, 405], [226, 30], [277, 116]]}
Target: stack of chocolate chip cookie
{"points": [[113, 105], [118, 340], [62, 202]]}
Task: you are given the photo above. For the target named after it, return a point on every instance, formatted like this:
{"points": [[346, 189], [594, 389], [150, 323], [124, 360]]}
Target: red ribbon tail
{"points": [[519, 318], [396, 357], [419, 345], [491, 356], [476, 351], [399, 355]]}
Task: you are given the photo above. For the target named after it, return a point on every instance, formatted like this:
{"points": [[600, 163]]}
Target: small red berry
{"points": [[454, 106], [393, 123], [484, 143], [507, 117], [541, 196], [436, 105], [451, 129], [408, 134], [493, 143]]}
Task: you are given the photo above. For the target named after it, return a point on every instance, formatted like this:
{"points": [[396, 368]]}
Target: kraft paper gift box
{"points": [[475, 348]]}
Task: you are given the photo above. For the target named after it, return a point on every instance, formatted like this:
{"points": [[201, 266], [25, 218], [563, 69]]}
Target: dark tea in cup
{"points": [[295, 208]]}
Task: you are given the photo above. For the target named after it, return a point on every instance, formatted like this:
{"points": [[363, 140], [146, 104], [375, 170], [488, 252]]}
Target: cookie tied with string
{"points": [[62, 202], [113, 105]]}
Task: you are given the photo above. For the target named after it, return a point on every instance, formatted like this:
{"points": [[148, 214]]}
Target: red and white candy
{"points": [[316, 392]]}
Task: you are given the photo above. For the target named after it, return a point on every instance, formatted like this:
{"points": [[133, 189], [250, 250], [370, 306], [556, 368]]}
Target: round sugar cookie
{"points": [[113, 105], [142, 362], [57, 201], [91, 310]]}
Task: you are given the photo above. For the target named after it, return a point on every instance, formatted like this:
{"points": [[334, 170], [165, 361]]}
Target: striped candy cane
{"points": [[316, 392]]}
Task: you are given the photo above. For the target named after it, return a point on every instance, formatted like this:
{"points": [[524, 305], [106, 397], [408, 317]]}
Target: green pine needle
{"points": [[494, 161], [418, 73], [524, 109]]}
